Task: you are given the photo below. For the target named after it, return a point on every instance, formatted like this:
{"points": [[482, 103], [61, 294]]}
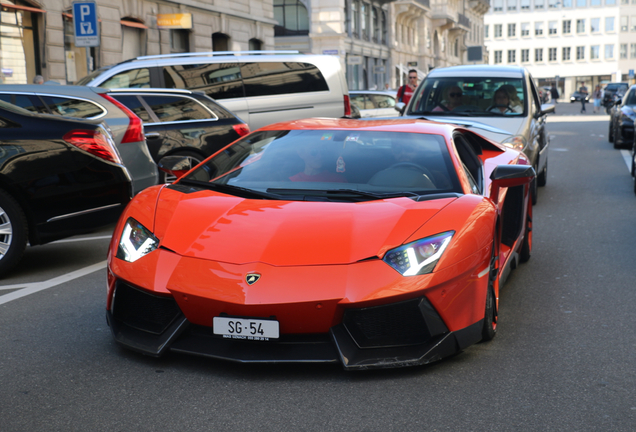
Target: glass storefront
{"points": [[19, 53]]}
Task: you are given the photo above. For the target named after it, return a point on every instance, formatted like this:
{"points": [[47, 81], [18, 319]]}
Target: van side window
{"points": [[217, 80], [135, 78], [275, 78], [134, 104]]}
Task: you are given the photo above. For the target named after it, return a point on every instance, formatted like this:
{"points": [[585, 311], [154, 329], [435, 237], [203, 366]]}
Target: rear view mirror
{"points": [[175, 165], [399, 107], [505, 176]]}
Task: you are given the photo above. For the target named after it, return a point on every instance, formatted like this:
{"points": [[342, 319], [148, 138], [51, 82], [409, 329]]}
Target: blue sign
{"points": [[85, 22], [631, 73]]}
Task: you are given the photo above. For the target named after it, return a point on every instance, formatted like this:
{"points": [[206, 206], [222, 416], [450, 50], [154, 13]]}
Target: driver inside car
{"points": [[313, 156]]}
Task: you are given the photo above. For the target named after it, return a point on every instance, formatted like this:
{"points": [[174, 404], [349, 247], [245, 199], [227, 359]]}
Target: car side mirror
{"points": [[399, 107], [505, 176], [546, 109], [177, 166]]}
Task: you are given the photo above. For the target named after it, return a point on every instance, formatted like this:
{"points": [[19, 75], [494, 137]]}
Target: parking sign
{"points": [[85, 22]]}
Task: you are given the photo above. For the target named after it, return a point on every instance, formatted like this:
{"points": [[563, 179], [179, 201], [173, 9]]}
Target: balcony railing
{"points": [[463, 20]]}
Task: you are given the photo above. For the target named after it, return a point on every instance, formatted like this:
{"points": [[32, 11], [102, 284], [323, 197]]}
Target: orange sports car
{"points": [[373, 244]]}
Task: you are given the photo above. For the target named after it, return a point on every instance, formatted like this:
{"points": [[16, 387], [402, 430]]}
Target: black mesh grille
{"points": [[391, 325], [143, 311]]}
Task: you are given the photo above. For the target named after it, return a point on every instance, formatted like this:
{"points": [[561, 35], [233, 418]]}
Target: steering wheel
{"points": [[412, 165]]}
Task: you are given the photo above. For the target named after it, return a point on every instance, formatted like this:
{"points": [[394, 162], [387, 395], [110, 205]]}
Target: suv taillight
{"points": [[242, 129], [96, 142], [347, 106], [135, 131]]}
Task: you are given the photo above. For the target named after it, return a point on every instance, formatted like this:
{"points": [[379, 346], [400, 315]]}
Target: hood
{"points": [[234, 230]]}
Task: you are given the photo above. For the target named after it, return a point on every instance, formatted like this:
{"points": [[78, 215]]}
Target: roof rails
{"points": [[213, 53]]}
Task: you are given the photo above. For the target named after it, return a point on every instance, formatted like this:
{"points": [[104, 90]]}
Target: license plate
{"points": [[246, 328]]}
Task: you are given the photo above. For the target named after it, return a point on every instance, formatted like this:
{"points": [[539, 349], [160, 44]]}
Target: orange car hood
{"points": [[234, 230]]}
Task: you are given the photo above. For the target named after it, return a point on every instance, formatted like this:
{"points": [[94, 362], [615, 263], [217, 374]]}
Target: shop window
{"points": [[19, 61], [133, 38], [292, 18], [179, 41], [255, 45]]}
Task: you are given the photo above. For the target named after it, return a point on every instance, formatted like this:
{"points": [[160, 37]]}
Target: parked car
{"points": [[610, 90], [181, 122], [58, 177], [622, 117], [92, 103], [577, 96], [258, 87], [473, 89], [371, 244], [374, 103]]}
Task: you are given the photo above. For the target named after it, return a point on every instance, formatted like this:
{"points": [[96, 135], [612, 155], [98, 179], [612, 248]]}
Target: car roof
{"points": [[62, 90], [478, 71], [379, 92], [153, 90]]}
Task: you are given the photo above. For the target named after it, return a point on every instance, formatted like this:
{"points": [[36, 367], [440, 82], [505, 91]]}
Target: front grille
{"points": [[389, 325], [143, 311]]}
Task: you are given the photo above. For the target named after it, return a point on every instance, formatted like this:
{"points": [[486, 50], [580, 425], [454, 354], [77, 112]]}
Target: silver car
{"points": [[374, 103], [499, 102], [95, 104]]}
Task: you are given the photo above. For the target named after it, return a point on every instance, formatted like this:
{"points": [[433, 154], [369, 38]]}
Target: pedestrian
{"points": [[405, 92], [554, 93], [597, 95], [38, 79], [584, 93]]}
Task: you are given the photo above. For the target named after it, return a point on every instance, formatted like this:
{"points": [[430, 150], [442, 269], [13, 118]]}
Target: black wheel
{"points": [[489, 329], [534, 192], [194, 158], [526, 247], [618, 139], [610, 133], [542, 178], [13, 232]]}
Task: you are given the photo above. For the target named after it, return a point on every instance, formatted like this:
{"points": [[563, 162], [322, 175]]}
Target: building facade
{"points": [[572, 41]]}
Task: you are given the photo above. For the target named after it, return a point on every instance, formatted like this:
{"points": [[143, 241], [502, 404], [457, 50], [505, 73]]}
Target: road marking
{"points": [[31, 288], [627, 157]]}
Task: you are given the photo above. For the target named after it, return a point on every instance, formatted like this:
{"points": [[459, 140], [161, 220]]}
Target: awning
{"points": [[20, 7], [133, 24]]}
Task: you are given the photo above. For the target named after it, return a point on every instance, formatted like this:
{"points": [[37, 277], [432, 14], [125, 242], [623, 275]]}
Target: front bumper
{"points": [[405, 333]]}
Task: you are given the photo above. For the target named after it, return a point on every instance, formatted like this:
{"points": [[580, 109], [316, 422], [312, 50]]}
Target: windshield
{"points": [[336, 165], [471, 97], [91, 76]]}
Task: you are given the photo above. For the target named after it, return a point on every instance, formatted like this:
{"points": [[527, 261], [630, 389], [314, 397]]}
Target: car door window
{"points": [[383, 101], [29, 103], [135, 78], [133, 103], [217, 80], [275, 78], [72, 107], [177, 108]]}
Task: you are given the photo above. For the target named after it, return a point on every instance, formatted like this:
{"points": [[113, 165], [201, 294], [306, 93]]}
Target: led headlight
{"points": [[516, 142], [136, 241], [419, 257]]}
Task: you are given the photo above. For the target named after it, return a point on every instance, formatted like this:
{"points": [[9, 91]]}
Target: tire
{"points": [[618, 143], [534, 192], [13, 232], [526, 247], [195, 158], [610, 133], [489, 329], [542, 178]]}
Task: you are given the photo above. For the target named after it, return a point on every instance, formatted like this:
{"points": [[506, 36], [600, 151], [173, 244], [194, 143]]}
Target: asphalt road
{"points": [[564, 358]]}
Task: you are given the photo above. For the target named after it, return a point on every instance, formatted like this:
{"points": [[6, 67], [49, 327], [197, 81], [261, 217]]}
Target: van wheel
{"points": [[194, 158], [610, 133], [489, 328], [542, 178], [13, 232]]}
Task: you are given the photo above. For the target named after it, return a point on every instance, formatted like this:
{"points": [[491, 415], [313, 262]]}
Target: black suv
{"points": [[181, 123], [609, 91]]}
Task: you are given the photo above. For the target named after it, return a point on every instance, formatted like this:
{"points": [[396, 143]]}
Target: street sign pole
{"points": [[86, 28]]}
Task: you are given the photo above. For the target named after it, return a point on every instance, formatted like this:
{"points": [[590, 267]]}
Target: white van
{"points": [[260, 87]]}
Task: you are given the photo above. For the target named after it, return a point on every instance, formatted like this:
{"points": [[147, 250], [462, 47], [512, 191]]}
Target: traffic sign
{"points": [[85, 22]]}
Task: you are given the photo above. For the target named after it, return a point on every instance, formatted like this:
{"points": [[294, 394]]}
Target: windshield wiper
{"points": [[231, 190], [342, 193]]}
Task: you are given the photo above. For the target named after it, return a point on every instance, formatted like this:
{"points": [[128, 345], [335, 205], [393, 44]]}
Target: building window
{"points": [[610, 2], [364, 19], [538, 55], [565, 54], [632, 51], [525, 55], [595, 25], [623, 52], [498, 56], [525, 4], [486, 31], [293, 19], [512, 30], [624, 23], [553, 4], [179, 41], [497, 5], [632, 24], [512, 5], [567, 27], [552, 27], [581, 3], [525, 29], [595, 2], [538, 29], [580, 26], [512, 56], [498, 30], [255, 45], [538, 4], [220, 42], [552, 54], [580, 53], [566, 3], [355, 18], [595, 52], [609, 52]]}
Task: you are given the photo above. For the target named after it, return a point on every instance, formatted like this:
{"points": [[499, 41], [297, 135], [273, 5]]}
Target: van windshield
{"points": [[471, 97]]}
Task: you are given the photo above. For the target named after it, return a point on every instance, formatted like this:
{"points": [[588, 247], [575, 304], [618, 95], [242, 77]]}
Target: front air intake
{"points": [[142, 310]]}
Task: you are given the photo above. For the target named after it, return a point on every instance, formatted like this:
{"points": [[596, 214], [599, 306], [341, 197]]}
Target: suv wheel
{"points": [[13, 232]]}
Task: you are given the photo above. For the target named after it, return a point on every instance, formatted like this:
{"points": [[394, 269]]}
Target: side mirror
{"points": [[547, 109], [505, 176], [399, 107], [175, 165]]}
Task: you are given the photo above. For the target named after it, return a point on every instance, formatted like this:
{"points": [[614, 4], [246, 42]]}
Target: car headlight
{"points": [[517, 142], [419, 257], [135, 242]]}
